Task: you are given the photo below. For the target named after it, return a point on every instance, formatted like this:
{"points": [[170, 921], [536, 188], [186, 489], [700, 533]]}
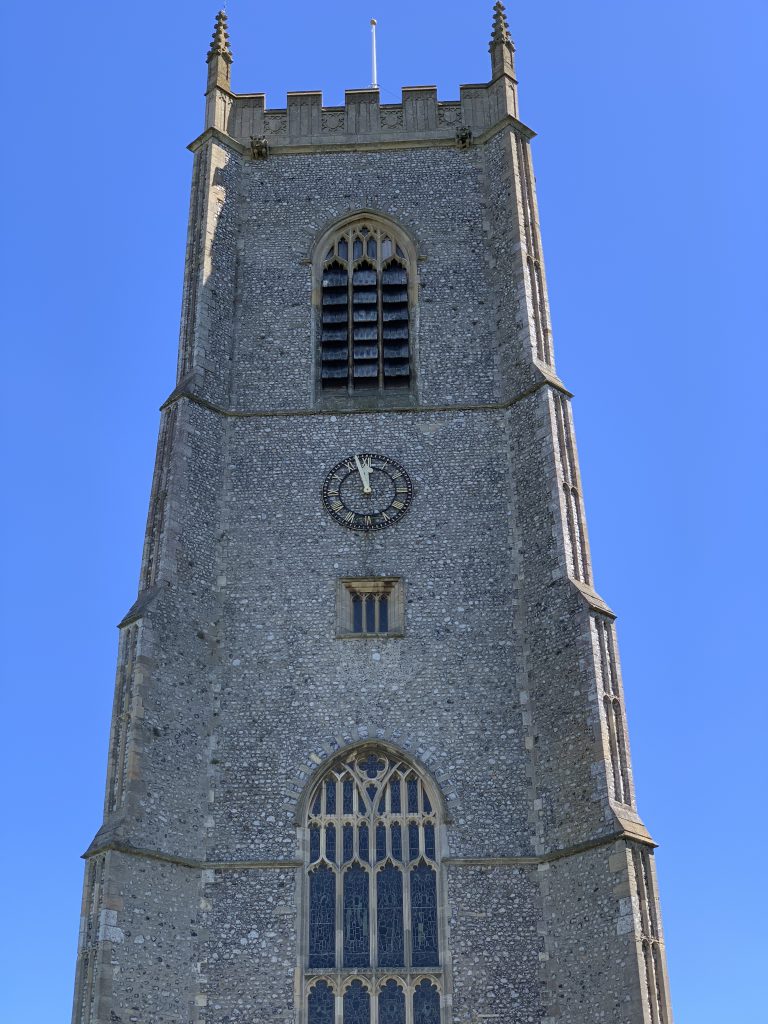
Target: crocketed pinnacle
{"points": [[500, 24], [220, 40]]}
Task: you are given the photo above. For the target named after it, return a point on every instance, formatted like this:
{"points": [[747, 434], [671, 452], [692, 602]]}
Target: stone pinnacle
{"points": [[500, 24], [220, 39]]}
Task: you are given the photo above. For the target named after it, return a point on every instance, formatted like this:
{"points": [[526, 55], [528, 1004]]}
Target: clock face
{"points": [[367, 492]]}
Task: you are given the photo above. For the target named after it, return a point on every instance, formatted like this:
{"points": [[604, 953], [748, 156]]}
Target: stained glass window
{"points": [[330, 843], [362, 841], [429, 841], [424, 916], [426, 1004], [357, 1004], [413, 841], [389, 902], [322, 1004], [349, 840], [381, 841], [373, 863], [364, 315], [391, 1004], [356, 941], [322, 918], [314, 844]]}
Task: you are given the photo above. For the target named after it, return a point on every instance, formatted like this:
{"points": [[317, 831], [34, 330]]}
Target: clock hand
{"points": [[365, 476]]}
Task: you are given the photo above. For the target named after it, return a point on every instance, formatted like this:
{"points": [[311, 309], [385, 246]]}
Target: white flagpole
{"points": [[375, 73]]}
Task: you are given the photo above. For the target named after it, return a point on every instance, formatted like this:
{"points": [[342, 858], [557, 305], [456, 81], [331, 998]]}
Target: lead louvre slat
{"points": [[366, 351], [395, 351], [335, 355]]}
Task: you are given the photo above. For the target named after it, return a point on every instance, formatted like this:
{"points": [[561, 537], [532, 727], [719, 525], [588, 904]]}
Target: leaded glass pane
{"points": [[314, 844], [391, 1004], [348, 841], [413, 842], [348, 791], [322, 918], [357, 249], [330, 796], [381, 842], [343, 248], [394, 795], [427, 804], [426, 1004], [429, 841], [322, 1004], [389, 902], [330, 843], [397, 842], [357, 614], [413, 796], [316, 804], [372, 766], [370, 613], [356, 936], [357, 1004], [424, 916], [362, 841], [384, 614]]}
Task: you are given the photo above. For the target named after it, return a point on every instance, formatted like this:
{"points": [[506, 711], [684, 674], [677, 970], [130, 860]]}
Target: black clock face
{"points": [[367, 492]]}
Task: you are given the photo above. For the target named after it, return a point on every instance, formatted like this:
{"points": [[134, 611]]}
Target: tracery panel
{"points": [[373, 882]]}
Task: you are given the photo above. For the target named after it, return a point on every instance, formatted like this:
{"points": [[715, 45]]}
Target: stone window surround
{"points": [[394, 397], [391, 586], [375, 978]]}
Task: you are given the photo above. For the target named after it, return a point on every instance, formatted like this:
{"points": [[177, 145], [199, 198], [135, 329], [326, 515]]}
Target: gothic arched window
{"points": [[373, 950], [365, 342]]}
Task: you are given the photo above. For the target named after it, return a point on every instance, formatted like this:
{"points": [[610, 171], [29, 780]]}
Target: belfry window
{"points": [[373, 954], [365, 311]]}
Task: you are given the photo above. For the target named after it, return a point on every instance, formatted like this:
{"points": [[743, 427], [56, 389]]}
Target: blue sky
{"points": [[651, 174]]}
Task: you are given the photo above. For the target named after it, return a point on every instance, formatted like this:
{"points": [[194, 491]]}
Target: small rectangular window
{"points": [[367, 607]]}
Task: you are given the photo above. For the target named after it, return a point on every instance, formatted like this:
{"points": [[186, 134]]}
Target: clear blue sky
{"points": [[651, 175]]}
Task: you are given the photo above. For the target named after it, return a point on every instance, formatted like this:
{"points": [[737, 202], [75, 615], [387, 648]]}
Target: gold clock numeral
{"points": [[336, 506], [369, 521], [349, 518], [385, 517], [401, 490], [332, 494], [398, 505]]}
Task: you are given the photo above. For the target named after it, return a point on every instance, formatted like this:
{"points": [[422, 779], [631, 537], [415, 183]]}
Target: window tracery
{"points": [[365, 311], [372, 895]]}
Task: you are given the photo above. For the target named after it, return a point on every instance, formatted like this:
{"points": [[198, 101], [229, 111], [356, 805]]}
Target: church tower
{"points": [[369, 759]]}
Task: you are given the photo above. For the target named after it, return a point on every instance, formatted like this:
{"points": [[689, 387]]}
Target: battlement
{"points": [[363, 120]]}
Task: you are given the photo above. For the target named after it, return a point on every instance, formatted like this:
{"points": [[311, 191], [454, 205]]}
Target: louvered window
{"points": [[365, 319]]}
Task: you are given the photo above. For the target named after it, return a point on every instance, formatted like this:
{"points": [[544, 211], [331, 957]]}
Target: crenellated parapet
{"points": [[363, 121]]}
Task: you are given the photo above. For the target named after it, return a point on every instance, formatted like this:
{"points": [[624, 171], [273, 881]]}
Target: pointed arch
{"points": [[372, 843], [365, 289]]}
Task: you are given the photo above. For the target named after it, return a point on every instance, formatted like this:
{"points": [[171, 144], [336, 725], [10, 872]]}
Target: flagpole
{"points": [[374, 69]]}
